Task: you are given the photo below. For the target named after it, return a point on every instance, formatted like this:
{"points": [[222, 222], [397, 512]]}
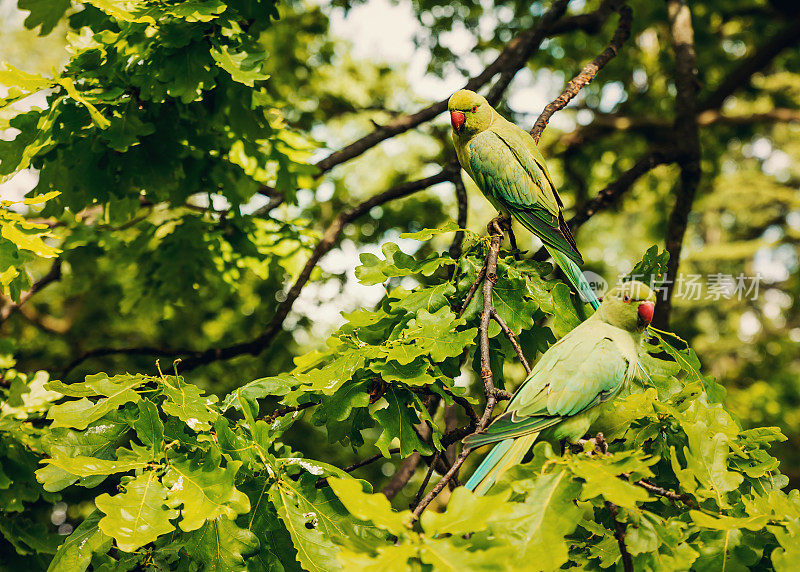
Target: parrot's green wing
{"points": [[504, 167], [574, 375]]}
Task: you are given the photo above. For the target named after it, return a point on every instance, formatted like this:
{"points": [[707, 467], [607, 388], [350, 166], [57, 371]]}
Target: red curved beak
{"points": [[645, 311], [457, 118]]}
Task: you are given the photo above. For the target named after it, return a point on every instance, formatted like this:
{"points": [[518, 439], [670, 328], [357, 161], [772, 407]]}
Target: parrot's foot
{"points": [[598, 443], [499, 225]]}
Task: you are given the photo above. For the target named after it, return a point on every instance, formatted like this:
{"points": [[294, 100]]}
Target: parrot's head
{"points": [[629, 306], [470, 113]]}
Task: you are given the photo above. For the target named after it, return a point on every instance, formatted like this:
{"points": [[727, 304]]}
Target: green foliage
{"points": [[213, 484], [157, 135], [652, 268], [20, 242]]}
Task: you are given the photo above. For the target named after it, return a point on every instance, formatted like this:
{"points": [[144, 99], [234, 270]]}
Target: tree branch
{"points": [[741, 75], [496, 234], [472, 290], [619, 534], [707, 118], [281, 411], [687, 141], [666, 493], [521, 48], [591, 22], [588, 73], [53, 275], [323, 481], [409, 466], [511, 338], [737, 78], [612, 193], [192, 358], [368, 460], [461, 217], [276, 198], [327, 243], [511, 59]]}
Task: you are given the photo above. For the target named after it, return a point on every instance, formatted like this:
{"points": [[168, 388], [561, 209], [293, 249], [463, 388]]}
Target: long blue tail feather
{"points": [[488, 463], [575, 276]]}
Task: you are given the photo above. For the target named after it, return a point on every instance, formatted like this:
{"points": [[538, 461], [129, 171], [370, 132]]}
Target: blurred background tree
{"points": [[183, 224]]}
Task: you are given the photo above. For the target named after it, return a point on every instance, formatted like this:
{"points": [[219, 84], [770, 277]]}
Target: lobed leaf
{"points": [[137, 516]]}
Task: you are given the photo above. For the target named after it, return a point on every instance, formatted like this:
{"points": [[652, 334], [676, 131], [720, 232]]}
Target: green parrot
{"points": [[508, 168], [567, 390]]}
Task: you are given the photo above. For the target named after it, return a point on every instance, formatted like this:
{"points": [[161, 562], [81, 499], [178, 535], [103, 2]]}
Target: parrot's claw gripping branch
{"points": [[598, 442]]}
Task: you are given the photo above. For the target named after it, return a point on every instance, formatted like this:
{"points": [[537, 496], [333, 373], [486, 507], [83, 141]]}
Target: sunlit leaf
{"points": [[139, 515]]}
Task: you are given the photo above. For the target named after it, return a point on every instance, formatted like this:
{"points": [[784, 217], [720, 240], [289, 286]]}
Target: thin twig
{"points": [[323, 481], [619, 534], [369, 460], [450, 424], [281, 411], [425, 481], [463, 207], [459, 400], [472, 290], [465, 405], [52, 275], [588, 73], [400, 479], [513, 339], [666, 493]]}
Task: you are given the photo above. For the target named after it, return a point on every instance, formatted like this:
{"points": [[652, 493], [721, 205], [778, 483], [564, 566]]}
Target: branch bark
{"points": [[738, 77], [511, 338], [588, 73], [707, 118], [323, 481], [409, 466], [461, 217], [619, 534], [613, 192], [53, 275], [281, 411], [666, 493], [521, 48], [687, 141]]}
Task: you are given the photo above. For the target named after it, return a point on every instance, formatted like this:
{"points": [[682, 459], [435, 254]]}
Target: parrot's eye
{"points": [[626, 298], [474, 108]]}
